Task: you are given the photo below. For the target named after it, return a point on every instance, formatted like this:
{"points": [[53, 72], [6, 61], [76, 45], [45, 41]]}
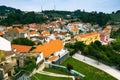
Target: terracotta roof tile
{"points": [[1, 33], [45, 33], [74, 29], [52, 58], [87, 34], [21, 48], [49, 48], [33, 32]]}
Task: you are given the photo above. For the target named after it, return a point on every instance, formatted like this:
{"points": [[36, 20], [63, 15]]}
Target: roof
{"points": [[73, 23], [52, 58], [25, 28], [33, 25], [75, 29], [1, 33], [49, 48], [45, 33], [21, 48], [88, 34], [13, 30], [108, 28], [33, 32]]}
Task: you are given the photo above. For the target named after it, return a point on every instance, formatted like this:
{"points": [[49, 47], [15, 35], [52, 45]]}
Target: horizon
{"points": [[105, 6]]}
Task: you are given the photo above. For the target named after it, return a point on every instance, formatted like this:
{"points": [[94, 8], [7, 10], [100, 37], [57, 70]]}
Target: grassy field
{"points": [[55, 71], [90, 72], [45, 77]]}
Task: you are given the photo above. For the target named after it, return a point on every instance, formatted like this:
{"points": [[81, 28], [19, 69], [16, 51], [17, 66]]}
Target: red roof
{"points": [[21, 48], [49, 48]]}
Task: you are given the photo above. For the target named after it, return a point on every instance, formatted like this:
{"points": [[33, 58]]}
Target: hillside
{"points": [[4, 10]]}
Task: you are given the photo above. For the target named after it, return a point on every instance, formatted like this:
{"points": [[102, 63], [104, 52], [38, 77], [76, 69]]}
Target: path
{"points": [[55, 74], [40, 71], [113, 72]]}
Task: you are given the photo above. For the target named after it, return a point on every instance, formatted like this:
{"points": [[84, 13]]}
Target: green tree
{"points": [[23, 41]]}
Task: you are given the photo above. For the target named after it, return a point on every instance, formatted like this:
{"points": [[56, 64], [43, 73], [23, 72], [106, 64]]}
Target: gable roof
{"points": [[45, 33], [88, 34], [21, 48], [49, 48], [14, 30]]}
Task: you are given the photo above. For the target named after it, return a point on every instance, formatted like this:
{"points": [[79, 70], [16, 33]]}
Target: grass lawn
{"points": [[45, 77], [90, 72], [55, 71]]}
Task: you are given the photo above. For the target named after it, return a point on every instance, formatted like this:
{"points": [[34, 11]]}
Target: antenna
{"points": [[54, 7], [41, 8]]}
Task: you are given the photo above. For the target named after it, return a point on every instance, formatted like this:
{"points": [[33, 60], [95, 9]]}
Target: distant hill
{"points": [[4, 10]]}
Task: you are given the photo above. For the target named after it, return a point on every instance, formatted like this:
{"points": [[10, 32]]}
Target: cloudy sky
{"points": [[107, 6]]}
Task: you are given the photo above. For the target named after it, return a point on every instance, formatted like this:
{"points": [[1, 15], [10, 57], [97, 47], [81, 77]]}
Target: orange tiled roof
{"points": [[21, 48], [25, 28], [74, 23], [107, 28], [88, 34], [75, 29], [45, 33], [14, 30], [52, 58], [33, 25], [33, 32], [49, 48], [1, 33], [19, 30]]}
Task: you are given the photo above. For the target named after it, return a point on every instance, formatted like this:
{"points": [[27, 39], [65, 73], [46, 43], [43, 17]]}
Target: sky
{"points": [[106, 6]]}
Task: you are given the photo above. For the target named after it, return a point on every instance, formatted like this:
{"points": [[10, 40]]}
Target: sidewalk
{"points": [[113, 72]]}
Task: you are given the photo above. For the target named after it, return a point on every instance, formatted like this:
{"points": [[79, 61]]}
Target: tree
{"points": [[69, 68], [79, 46], [115, 45], [98, 56], [85, 52], [23, 41]]}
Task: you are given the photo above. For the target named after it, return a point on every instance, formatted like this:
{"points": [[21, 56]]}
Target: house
{"points": [[23, 51], [33, 33], [87, 38], [67, 38], [7, 66], [52, 50], [7, 62], [77, 27], [45, 33], [14, 33], [105, 34]]}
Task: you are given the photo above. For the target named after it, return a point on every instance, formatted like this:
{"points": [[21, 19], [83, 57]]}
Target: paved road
{"points": [[113, 72]]}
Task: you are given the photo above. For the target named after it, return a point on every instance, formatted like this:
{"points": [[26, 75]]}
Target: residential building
{"points": [[21, 51], [14, 33], [7, 62], [52, 50], [105, 34], [87, 38]]}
